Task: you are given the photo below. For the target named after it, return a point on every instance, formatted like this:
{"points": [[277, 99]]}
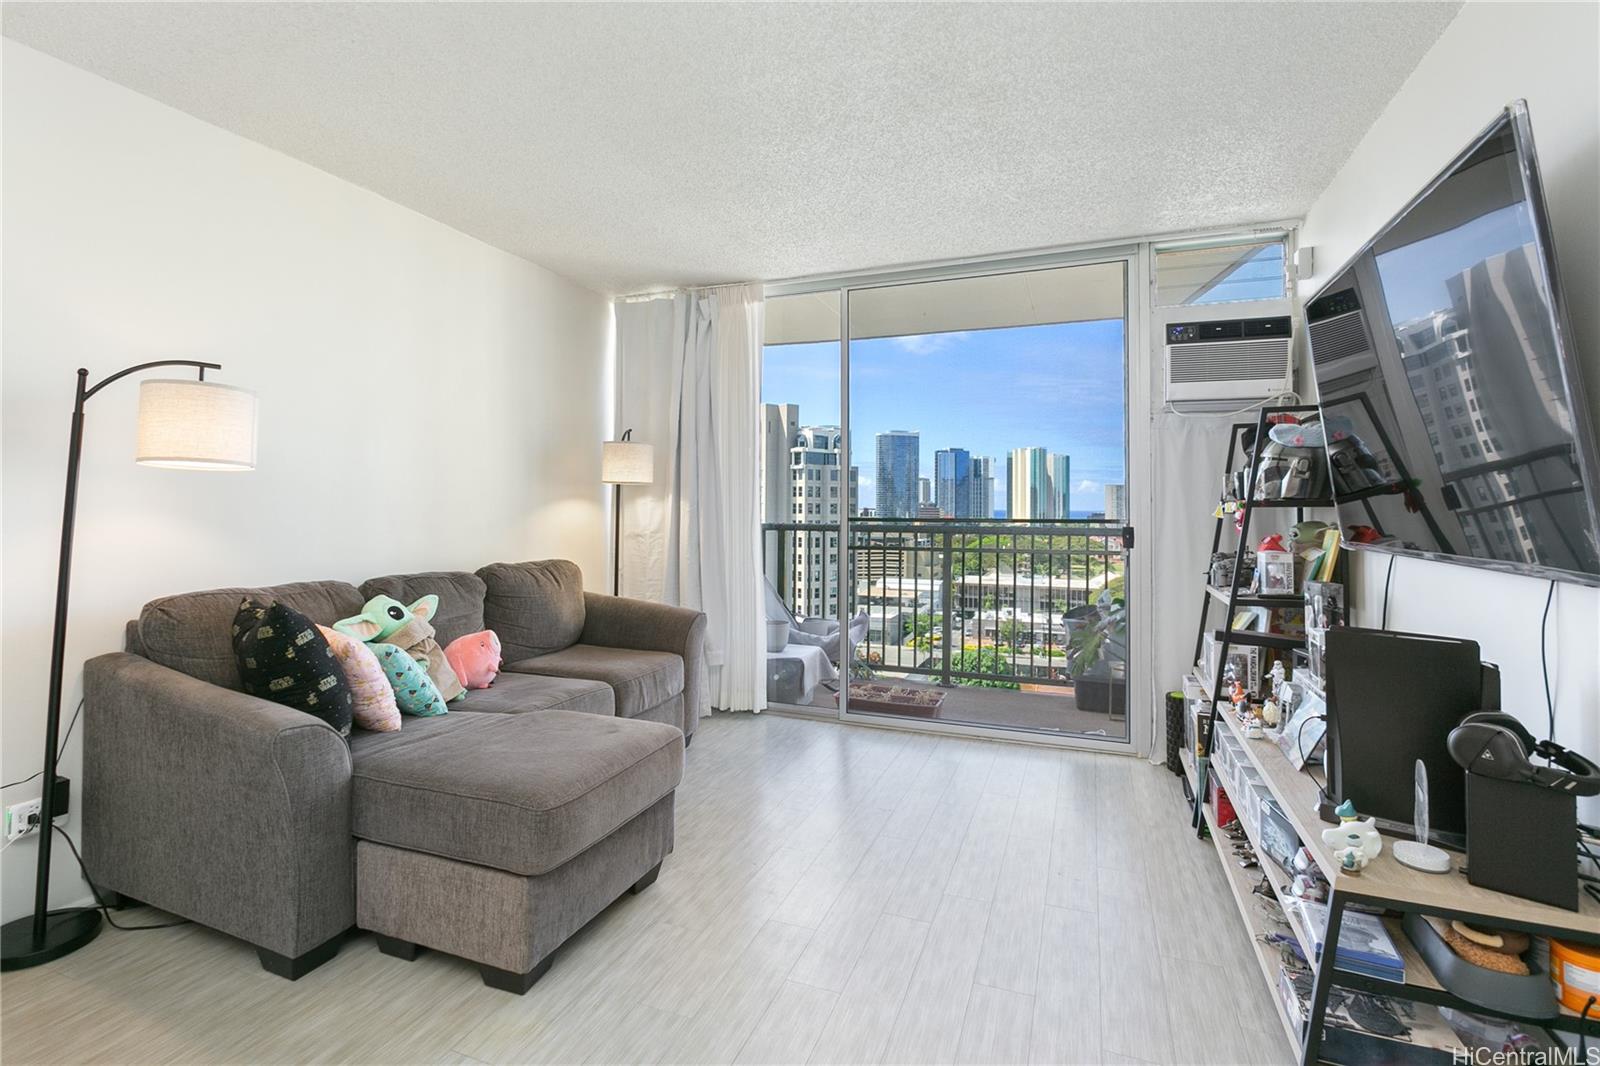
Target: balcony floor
{"points": [[1039, 709]]}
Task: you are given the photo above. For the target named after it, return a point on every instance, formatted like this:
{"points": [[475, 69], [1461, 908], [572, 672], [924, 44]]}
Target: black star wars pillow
{"points": [[283, 658]]}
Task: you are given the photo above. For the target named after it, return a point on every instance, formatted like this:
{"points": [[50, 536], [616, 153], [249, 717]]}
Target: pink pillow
{"points": [[372, 704], [475, 658]]}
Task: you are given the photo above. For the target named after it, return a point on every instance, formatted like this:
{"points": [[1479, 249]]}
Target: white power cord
{"points": [[1168, 408]]}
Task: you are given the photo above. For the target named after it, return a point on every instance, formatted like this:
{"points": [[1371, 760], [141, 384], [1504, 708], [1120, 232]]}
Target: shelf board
{"points": [[1385, 879], [1313, 502], [1241, 884], [1256, 599], [1308, 504], [1250, 638]]}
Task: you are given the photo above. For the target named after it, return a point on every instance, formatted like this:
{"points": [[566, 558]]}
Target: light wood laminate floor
{"points": [[838, 895]]}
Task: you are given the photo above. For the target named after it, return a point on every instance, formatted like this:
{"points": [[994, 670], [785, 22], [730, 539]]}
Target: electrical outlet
{"points": [[21, 819]]}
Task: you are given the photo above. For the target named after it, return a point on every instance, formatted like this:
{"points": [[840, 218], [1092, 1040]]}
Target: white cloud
{"points": [[926, 343], [1086, 486]]}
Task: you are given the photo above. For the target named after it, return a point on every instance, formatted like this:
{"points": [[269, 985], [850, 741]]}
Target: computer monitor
{"points": [[1393, 698]]}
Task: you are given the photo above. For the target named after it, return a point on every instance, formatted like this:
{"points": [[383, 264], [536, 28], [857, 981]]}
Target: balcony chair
{"points": [[817, 649]]}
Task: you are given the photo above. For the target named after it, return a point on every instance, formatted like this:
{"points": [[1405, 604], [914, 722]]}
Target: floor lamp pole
{"points": [[616, 540], [48, 935], [34, 940]]}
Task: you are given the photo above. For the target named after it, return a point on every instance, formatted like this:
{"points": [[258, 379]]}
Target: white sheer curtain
{"points": [[688, 373]]}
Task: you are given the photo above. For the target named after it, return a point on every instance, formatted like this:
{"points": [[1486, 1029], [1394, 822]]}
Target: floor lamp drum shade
{"points": [[626, 462], [196, 425]]}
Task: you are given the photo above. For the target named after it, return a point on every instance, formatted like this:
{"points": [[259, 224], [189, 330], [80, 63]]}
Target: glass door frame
{"points": [[1143, 702]]}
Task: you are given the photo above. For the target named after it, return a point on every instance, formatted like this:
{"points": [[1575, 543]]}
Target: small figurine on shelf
{"points": [[1272, 709], [1274, 567], [1236, 696], [1356, 841]]}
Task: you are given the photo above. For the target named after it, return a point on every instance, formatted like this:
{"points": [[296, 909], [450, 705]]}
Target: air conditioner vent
{"points": [[1338, 337], [1243, 361]]}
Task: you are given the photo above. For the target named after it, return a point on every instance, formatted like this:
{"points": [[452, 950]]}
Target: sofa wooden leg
{"points": [[296, 967], [399, 949], [687, 740], [511, 981], [646, 881]]}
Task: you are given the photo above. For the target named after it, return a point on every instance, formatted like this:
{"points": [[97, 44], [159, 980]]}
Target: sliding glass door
{"points": [[952, 502]]}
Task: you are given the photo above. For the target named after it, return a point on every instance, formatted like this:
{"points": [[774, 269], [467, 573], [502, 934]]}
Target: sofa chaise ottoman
{"points": [[493, 832]]}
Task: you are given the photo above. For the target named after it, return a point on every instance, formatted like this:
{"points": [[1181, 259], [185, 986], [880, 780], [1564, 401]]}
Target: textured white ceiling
{"points": [[631, 146]]}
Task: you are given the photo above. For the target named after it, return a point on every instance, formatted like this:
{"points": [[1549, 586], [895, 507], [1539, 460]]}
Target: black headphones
{"points": [[1493, 744]]}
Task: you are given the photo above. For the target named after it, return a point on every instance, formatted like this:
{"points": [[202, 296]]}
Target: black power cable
{"points": [[1387, 577], [1544, 661], [101, 903]]}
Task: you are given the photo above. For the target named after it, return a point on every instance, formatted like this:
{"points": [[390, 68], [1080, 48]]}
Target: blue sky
{"points": [[1059, 387], [1414, 274]]}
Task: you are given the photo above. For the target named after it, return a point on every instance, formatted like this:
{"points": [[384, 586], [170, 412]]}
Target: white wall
{"points": [[426, 401], [1491, 54]]}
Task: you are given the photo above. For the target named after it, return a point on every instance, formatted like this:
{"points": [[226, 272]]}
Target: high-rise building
{"points": [[1038, 484], [899, 454], [982, 487], [780, 422], [924, 491], [1116, 504], [952, 483], [820, 491]]}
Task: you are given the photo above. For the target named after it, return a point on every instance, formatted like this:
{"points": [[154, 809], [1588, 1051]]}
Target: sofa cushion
{"points": [[372, 702], [192, 632], [283, 657], [414, 691], [515, 693], [518, 792], [460, 598], [535, 607], [640, 679]]}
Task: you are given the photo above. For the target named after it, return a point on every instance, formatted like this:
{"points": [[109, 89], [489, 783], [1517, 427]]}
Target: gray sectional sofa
{"points": [[493, 832]]}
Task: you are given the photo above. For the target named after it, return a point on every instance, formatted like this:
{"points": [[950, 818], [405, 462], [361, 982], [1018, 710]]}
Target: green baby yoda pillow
{"points": [[385, 620], [382, 615], [414, 691]]}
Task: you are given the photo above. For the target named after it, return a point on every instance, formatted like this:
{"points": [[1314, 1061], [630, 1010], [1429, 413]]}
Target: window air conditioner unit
{"points": [[1337, 329], [1228, 362]]}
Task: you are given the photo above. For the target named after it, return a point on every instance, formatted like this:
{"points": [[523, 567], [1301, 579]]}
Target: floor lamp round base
{"points": [[65, 932]]}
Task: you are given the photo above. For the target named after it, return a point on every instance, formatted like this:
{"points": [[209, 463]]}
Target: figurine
{"points": [[1351, 860], [1271, 710], [1355, 842]]}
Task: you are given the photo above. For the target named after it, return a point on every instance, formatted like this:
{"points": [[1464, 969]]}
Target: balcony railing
{"points": [[956, 601]]}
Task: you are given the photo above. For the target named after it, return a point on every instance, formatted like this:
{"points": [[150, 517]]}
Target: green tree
{"points": [[987, 661]]}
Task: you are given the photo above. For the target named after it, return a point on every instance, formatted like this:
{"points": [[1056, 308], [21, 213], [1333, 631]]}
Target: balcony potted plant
{"points": [[1097, 657]]}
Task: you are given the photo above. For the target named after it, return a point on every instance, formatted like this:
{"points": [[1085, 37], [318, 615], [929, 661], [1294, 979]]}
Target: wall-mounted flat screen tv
{"points": [[1449, 386]]}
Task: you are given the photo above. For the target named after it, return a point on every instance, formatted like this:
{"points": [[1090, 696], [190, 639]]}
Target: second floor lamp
{"points": [[623, 462]]}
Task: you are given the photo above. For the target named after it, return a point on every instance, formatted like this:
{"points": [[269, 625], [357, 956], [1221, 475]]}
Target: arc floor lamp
{"points": [[623, 462], [183, 424]]}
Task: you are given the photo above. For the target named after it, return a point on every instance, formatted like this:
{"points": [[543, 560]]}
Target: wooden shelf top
{"points": [[1385, 878], [1256, 599]]}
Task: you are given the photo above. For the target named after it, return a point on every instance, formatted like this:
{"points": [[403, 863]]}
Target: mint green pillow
{"points": [[414, 690]]}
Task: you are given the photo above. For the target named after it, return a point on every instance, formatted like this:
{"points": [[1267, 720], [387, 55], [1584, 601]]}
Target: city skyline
{"points": [[963, 485], [989, 392]]}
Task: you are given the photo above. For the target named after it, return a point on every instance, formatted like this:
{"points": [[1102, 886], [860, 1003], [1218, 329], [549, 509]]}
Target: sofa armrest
{"points": [[226, 809], [619, 622]]}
